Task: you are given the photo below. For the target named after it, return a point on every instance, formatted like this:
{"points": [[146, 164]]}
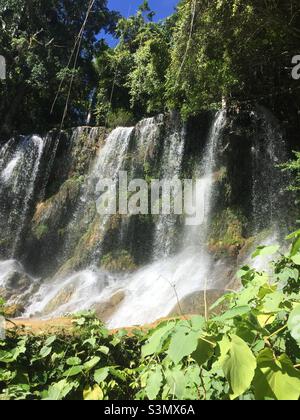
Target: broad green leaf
{"points": [[265, 320], [296, 245], [224, 346], [91, 341], [263, 251], [117, 373], [276, 379], [12, 355], [272, 302], [232, 313], [59, 390], [104, 350], [293, 235], [243, 271], [154, 383], [73, 361], [288, 274], [45, 351], [101, 374], [50, 341], [221, 300], [239, 366], [294, 324], [296, 259], [91, 363], [203, 352], [176, 381], [73, 371], [6, 356], [157, 340], [245, 296], [183, 343], [6, 375], [93, 394], [197, 322]]}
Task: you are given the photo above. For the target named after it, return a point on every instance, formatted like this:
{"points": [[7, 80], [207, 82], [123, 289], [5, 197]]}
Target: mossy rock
{"points": [[226, 237], [120, 261], [13, 311], [40, 231]]}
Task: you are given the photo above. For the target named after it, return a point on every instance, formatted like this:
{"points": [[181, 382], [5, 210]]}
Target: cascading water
{"points": [[19, 171], [165, 227], [108, 164], [268, 151], [178, 263], [155, 290], [196, 235], [148, 293]]}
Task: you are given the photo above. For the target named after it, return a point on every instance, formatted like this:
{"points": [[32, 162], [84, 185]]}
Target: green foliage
{"points": [[37, 39], [293, 167], [250, 351], [2, 306], [132, 76], [206, 52], [120, 118], [40, 231], [219, 51]]}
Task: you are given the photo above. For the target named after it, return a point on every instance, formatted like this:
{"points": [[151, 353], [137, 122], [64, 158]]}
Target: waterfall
{"points": [[155, 290], [165, 227], [150, 292], [19, 168], [177, 265], [109, 162], [197, 235], [268, 151]]}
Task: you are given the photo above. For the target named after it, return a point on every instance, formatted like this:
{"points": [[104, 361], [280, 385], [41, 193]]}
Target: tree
{"points": [[36, 39], [237, 49], [132, 76]]}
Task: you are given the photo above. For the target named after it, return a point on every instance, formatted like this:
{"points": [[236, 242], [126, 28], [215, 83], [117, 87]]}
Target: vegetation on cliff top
{"points": [[236, 50]]}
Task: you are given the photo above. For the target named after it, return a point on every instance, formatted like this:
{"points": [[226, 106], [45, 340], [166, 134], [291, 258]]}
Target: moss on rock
{"points": [[120, 261], [226, 237]]}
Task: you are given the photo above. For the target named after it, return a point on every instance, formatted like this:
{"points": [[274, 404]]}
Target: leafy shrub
{"points": [[40, 231], [120, 118], [250, 351]]}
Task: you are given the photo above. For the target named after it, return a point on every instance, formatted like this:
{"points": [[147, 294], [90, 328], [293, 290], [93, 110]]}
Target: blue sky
{"points": [[163, 8]]}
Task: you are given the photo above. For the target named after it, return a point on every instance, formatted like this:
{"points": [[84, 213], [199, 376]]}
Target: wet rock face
{"points": [[65, 234], [14, 311], [104, 310], [75, 150], [48, 227], [44, 247], [16, 288]]}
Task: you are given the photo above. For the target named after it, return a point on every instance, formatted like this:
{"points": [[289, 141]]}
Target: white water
{"points": [[79, 291], [7, 268], [165, 228], [149, 292], [108, 164], [8, 171], [38, 148], [153, 291], [196, 235]]}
